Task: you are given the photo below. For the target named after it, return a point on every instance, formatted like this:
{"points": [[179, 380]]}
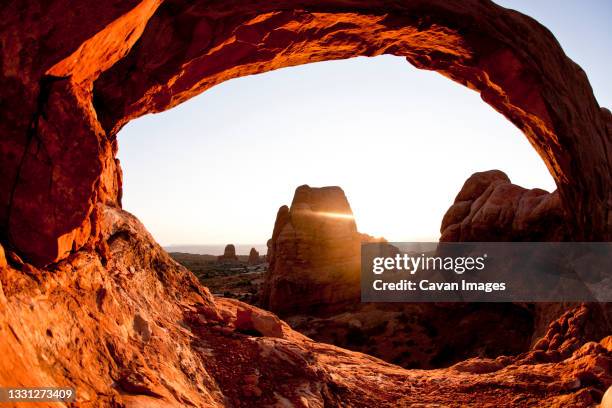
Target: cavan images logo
{"points": [[485, 272]]}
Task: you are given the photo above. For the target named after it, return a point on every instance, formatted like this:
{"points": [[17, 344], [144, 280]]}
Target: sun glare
{"points": [[334, 215], [400, 142]]}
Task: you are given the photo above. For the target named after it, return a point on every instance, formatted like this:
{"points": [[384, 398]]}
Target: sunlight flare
{"points": [[334, 215]]}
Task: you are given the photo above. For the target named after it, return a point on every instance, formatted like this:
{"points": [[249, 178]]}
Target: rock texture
{"points": [[419, 335], [89, 300], [490, 208], [72, 79], [313, 282], [135, 329], [229, 254], [314, 255]]}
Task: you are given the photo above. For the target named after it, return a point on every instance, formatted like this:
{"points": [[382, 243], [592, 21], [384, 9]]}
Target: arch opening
{"points": [[83, 282], [412, 130], [399, 141], [176, 51]]}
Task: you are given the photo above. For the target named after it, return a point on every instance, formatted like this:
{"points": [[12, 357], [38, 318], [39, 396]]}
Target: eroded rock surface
{"points": [[313, 281], [135, 329], [314, 254], [89, 300], [490, 208], [71, 79]]}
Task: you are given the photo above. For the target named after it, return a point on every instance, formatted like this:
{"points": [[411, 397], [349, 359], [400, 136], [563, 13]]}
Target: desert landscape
{"points": [[89, 300], [228, 275]]}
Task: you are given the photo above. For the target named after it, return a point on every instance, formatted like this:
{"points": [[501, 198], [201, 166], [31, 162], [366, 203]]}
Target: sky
{"points": [[399, 141]]}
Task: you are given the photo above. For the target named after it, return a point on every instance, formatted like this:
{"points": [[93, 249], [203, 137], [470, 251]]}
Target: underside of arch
{"points": [[79, 77]]}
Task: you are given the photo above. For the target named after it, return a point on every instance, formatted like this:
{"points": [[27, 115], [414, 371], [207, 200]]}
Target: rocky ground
{"points": [[133, 328]]}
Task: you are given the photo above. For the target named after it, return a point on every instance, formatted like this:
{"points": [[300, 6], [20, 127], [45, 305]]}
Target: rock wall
{"points": [[490, 208], [72, 79], [314, 255]]}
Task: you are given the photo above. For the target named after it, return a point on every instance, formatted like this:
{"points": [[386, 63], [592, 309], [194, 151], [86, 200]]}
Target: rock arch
{"points": [[71, 80]]}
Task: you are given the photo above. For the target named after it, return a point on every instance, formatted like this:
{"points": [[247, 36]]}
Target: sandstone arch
{"points": [[127, 326], [80, 74]]}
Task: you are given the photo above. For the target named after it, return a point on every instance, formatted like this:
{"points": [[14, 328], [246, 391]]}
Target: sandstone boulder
{"points": [[490, 208]]}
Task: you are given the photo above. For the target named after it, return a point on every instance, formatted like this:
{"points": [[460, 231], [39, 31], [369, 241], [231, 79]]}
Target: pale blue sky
{"points": [[399, 141]]}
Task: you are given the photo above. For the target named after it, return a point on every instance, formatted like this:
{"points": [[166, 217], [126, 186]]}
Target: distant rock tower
{"points": [[254, 258], [229, 254]]}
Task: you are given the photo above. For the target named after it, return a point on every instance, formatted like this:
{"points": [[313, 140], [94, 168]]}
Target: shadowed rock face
{"points": [[229, 253], [254, 258], [314, 254], [490, 208], [313, 279], [88, 299]]}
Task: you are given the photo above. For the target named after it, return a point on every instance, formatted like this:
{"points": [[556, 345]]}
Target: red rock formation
{"points": [[314, 255], [166, 341], [87, 297], [254, 258], [490, 208], [229, 254], [313, 281], [113, 61]]}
